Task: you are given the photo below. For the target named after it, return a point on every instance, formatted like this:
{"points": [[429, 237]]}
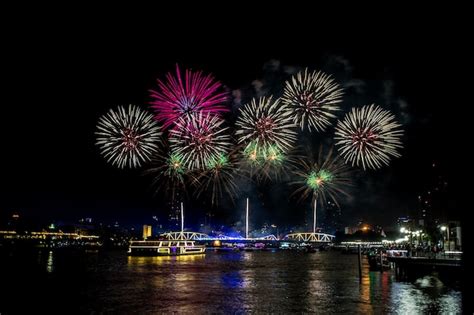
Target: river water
{"points": [[282, 282]]}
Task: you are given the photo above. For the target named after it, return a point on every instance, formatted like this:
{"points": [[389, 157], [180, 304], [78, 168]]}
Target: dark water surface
{"points": [[218, 282]]}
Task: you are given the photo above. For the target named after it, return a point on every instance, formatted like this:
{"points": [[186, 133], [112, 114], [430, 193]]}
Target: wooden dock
{"points": [[426, 261], [406, 267]]}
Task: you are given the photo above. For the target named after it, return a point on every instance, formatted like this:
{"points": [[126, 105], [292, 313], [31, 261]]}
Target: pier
{"points": [[446, 263]]}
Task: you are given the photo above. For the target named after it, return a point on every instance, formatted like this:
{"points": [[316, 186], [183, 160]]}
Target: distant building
{"points": [[452, 236], [457, 237], [431, 204], [350, 230], [406, 222], [330, 218], [146, 231], [174, 216]]}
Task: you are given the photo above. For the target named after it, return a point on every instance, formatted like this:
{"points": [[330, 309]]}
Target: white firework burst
{"points": [[198, 138], [128, 136], [313, 98], [368, 137], [265, 123]]}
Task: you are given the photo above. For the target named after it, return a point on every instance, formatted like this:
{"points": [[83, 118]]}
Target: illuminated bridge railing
{"points": [[221, 237], [195, 236], [310, 237], [270, 237]]}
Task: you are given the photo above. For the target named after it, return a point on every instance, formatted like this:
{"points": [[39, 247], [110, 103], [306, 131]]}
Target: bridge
{"points": [[294, 237]]}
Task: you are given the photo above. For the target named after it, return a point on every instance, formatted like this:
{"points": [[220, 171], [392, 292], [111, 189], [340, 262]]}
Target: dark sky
{"points": [[64, 72]]}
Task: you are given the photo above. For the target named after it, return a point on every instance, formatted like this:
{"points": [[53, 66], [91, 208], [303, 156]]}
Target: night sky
{"points": [[63, 73]]}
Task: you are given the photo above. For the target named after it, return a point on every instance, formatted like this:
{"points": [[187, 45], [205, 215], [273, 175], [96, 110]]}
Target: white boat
{"points": [[164, 248]]}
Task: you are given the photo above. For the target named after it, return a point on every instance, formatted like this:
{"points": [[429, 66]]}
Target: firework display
{"points": [[313, 97], [369, 137], [199, 138], [195, 93], [265, 126], [127, 137], [199, 151]]}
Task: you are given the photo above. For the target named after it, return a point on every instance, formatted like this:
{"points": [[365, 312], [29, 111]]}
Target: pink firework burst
{"points": [[197, 93]]}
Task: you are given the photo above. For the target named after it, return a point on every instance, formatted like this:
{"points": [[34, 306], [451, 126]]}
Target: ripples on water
{"points": [[218, 282]]}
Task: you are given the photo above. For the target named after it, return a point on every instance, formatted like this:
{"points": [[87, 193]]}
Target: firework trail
{"points": [[199, 138], [196, 93], [368, 137], [313, 98], [127, 137]]}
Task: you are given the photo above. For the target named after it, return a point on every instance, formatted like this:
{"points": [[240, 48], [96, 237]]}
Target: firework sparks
{"points": [[258, 155], [169, 173], [197, 93], [199, 138], [174, 166], [326, 178], [265, 162], [219, 177], [368, 136], [316, 180], [313, 97], [127, 137], [265, 126]]}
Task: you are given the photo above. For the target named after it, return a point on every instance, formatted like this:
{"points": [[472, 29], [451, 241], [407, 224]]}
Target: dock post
{"points": [[381, 261], [359, 255]]}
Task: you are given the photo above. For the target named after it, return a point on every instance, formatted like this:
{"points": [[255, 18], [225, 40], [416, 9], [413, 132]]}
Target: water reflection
{"points": [[366, 291], [232, 280], [427, 295], [229, 282], [50, 262], [385, 287], [159, 260]]}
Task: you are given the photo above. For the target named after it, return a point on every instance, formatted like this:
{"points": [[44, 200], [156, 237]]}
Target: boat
{"points": [[164, 248]]}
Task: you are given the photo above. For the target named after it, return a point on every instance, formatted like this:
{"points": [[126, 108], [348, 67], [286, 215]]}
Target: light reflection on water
{"points": [[417, 297], [162, 260], [237, 282], [49, 264]]}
